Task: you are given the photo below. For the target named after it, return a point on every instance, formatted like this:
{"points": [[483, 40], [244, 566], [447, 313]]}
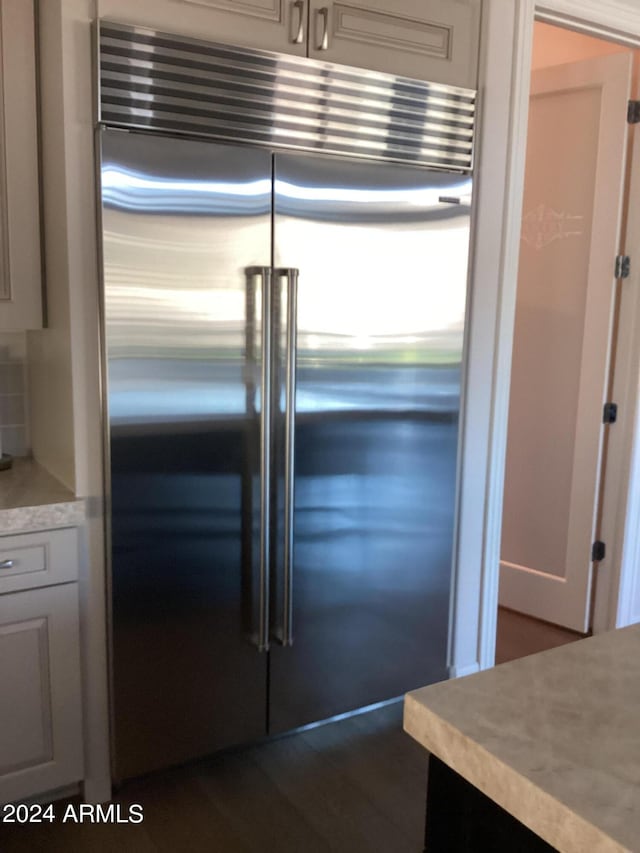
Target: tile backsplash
{"points": [[14, 428]]}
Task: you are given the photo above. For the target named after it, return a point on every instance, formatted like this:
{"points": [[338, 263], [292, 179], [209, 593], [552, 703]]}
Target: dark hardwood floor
{"points": [[519, 635], [354, 785]]}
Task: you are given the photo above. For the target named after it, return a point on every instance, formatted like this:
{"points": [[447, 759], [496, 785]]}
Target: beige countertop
{"points": [[31, 499], [553, 738]]}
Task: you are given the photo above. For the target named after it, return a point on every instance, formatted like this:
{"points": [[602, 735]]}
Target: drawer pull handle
{"points": [[6, 564]]}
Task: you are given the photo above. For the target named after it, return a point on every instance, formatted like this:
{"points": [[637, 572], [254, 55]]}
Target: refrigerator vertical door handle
{"points": [[289, 448], [264, 273]]}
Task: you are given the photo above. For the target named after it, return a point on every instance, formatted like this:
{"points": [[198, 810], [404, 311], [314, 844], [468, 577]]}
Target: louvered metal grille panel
{"points": [[156, 81]]}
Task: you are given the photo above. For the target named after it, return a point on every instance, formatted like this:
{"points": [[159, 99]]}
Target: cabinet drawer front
{"points": [[30, 560]]}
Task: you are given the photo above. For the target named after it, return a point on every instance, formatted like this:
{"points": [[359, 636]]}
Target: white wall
{"points": [[66, 388], [554, 45], [49, 350]]}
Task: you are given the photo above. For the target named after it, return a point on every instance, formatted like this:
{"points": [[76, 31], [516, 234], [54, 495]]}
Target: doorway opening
{"points": [[566, 327]]}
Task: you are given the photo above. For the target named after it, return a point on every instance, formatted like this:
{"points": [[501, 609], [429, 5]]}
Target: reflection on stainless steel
{"points": [[153, 80], [291, 343], [265, 462], [264, 273], [283, 436], [185, 444], [381, 306]]}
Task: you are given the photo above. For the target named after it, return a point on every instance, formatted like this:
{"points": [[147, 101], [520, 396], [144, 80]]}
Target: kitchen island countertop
{"points": [[32, 499], [554, 739]]}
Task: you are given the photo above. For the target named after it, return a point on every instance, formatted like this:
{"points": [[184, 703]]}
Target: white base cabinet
{"points": [[40, 695]]}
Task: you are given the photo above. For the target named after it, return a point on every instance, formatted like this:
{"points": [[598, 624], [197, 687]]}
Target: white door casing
{"points": [[563, 325], [618, 579]]}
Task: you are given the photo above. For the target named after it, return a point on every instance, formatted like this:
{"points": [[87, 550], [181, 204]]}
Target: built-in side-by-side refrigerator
{"points": [[284, 304]]}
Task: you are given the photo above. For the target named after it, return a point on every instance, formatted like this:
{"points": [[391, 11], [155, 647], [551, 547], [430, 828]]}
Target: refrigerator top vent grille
{"points": [[155, 81]]}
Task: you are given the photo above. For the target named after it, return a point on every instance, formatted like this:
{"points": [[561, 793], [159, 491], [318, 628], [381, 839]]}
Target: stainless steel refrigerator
{"points": [[283, 337]]}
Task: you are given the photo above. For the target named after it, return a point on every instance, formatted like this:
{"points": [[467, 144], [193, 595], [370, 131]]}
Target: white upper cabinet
{"points": [[427, 39], [435, 40], [20, 272], [279, 25]]}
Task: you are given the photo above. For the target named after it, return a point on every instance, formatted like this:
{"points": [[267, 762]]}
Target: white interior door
{"points": [[566, 290]]}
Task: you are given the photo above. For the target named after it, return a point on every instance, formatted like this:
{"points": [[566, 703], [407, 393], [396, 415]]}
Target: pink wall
{"points": [[555, 46]]}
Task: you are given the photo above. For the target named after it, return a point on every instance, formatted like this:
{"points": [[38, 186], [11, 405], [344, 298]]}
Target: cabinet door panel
{"points": [[429, 41], [40, 716], [20, 282], [267, 24], [25, 703]]}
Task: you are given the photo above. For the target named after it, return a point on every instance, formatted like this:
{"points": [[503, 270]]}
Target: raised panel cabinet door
{"points": [[20, 279], [435, 40], [40, 712], [279, 25]]}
